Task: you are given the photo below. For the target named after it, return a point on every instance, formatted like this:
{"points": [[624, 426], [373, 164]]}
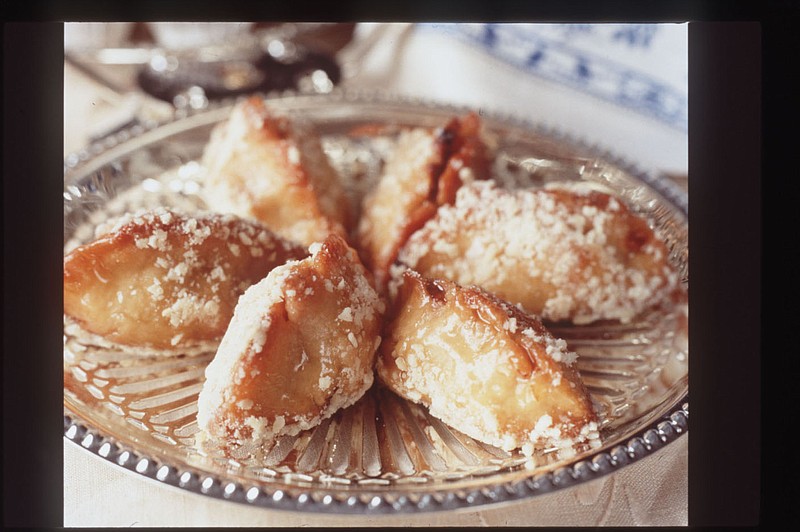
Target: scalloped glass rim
{"points": [[656, 427]]}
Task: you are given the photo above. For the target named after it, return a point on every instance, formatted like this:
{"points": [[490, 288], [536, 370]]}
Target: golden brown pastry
{"points": [[265, 166], [168, 281], [563, 254], [301, 345], [424, 171], [484, 367]]}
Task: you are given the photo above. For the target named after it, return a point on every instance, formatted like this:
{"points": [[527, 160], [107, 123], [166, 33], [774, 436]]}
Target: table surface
{"points": [[652, 491]]}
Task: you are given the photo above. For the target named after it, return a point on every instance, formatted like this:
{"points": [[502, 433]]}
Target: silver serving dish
{"points": [[383, 454]]}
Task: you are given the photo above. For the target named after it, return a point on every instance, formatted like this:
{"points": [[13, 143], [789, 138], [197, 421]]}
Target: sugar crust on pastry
{"points": [[484, 367], [300, 346], [165, 280], [423, 171], [562, 253], [265, 166]]}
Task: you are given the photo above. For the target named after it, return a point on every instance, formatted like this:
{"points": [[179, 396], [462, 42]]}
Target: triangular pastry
{"points": [[423, 171], [168, 281], [562, 253], [300, 346], [484, 367], [263, 165]]}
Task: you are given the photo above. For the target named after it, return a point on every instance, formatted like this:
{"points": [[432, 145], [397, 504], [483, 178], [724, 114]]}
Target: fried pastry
{"points": [[167, 281], [265, 166], [424, 171], [301, 346], [484, 367], [561, 253]]}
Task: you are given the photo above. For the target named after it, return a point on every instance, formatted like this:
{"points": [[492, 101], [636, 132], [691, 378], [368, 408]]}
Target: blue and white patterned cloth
{"points": [[620, 63], [623, 87]]}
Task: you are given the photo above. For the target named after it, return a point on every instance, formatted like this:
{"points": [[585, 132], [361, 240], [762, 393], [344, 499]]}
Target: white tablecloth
{"points": [[651, 492], [476, 66]]}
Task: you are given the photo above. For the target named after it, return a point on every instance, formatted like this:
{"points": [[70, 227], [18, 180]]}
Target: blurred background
{"points": [[622, 87]]}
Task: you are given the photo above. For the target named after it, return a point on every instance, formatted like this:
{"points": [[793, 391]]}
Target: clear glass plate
{"points": [[383, 454]]}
